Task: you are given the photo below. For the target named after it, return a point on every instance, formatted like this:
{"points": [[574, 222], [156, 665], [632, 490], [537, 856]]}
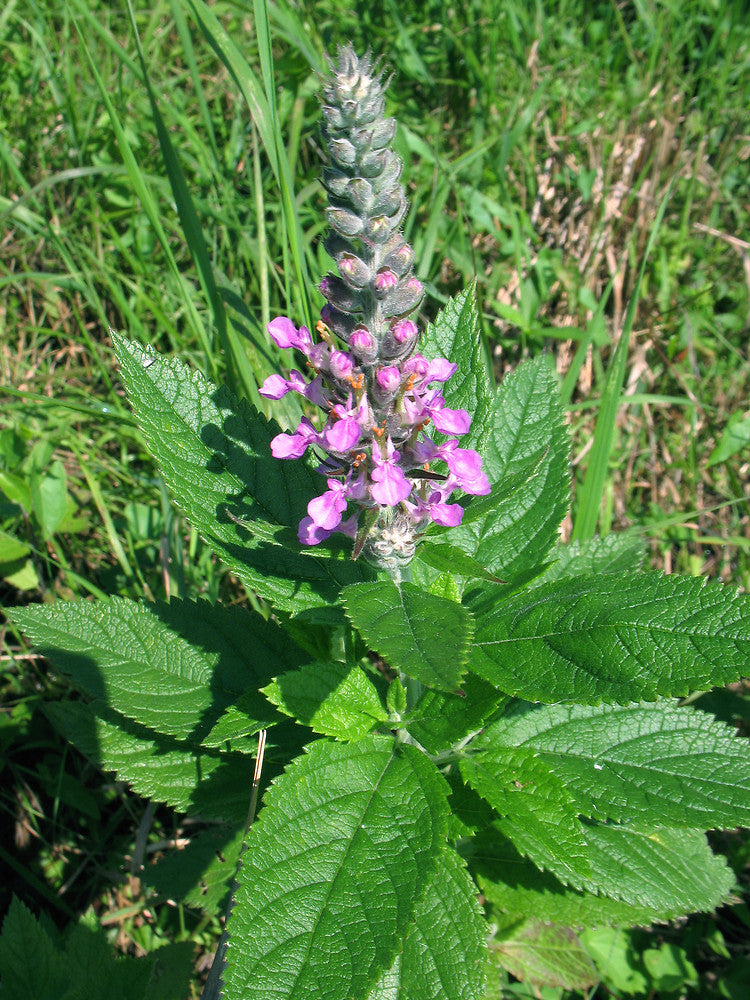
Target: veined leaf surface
{"points": [[334, 869], [614, 639]]}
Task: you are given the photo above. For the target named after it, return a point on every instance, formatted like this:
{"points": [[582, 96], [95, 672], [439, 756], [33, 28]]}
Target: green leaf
{"points": [[651, 763], [240, 721], [334, 869], [336, 699], [542, 954], [614, 639], [445, 951], [441, 719], [425, 636], [735, 437], [617, 960], [216, 786], [81, 964], [455, 335], [679, 874], [16, 489], [449, 558], [215, 456], [528, 442], [658, 868], [200, 873], [173, 668], [49, 498], [11, 548], [536, 811], [613, 554], [30, 965]]}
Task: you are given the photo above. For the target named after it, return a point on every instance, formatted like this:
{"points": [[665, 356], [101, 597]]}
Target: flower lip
{"points": [[284, 334]]}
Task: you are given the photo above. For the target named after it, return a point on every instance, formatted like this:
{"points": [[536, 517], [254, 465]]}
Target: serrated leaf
{"points": [[335, 699], [212, 785], [655, 867], [526, 438], [449, 558], [30, 965], [215, 456], [240, 721], [445, 951], [695, 879], [455, 335], [441, 719], [543, 954], [173, 668], [81, 964], [613, 554], [614, 639], [425, 636], [333, 871], [651, 763], [536, 811], [200, 873]]}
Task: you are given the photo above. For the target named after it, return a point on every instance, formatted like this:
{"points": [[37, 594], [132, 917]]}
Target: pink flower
{"points": [[437, 370], [448, 421], [391, 485], [341, 364], [342, 435], [326, 510], [275, 386], [285, 334], [294, 445], [404, 330], [360, 340], [465, 465], [384, 280], [389, 379]]}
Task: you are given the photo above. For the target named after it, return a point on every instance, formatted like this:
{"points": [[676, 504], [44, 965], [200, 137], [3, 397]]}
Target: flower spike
{"points": [[377, 394]]}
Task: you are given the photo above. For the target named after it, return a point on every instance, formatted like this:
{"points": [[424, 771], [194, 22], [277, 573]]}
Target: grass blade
{"points": [[590, 499]]}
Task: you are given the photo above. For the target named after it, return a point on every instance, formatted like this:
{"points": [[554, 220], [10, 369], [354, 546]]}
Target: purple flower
{"points": [[404, 331], [326, 510], [466, 467], [385, 279], [375, 414], [275, 386], [389, 379], [445, 420], [447, 514], [391, 485], [342, 435], [294, 445], [284, 334]]}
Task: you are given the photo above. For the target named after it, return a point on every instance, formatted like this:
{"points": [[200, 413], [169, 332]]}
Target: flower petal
{"points": [[285, 334], [342, 435], [447, 514], [391, 485], [275, 387], [309, 533], [449, 421], [326, 510]]}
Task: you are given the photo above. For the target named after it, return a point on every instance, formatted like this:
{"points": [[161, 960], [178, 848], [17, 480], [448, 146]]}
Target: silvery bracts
{"points": [[377, 394]]}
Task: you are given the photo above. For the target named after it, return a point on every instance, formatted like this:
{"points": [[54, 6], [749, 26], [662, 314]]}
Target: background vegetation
{"points": [[145, 186]]}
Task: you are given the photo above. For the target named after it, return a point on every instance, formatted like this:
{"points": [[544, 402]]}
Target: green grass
{"points": [[158, 175]]}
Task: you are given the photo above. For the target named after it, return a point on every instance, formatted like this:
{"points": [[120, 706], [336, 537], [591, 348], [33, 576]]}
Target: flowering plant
{"points": [[488, 753], [377, 393]]}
